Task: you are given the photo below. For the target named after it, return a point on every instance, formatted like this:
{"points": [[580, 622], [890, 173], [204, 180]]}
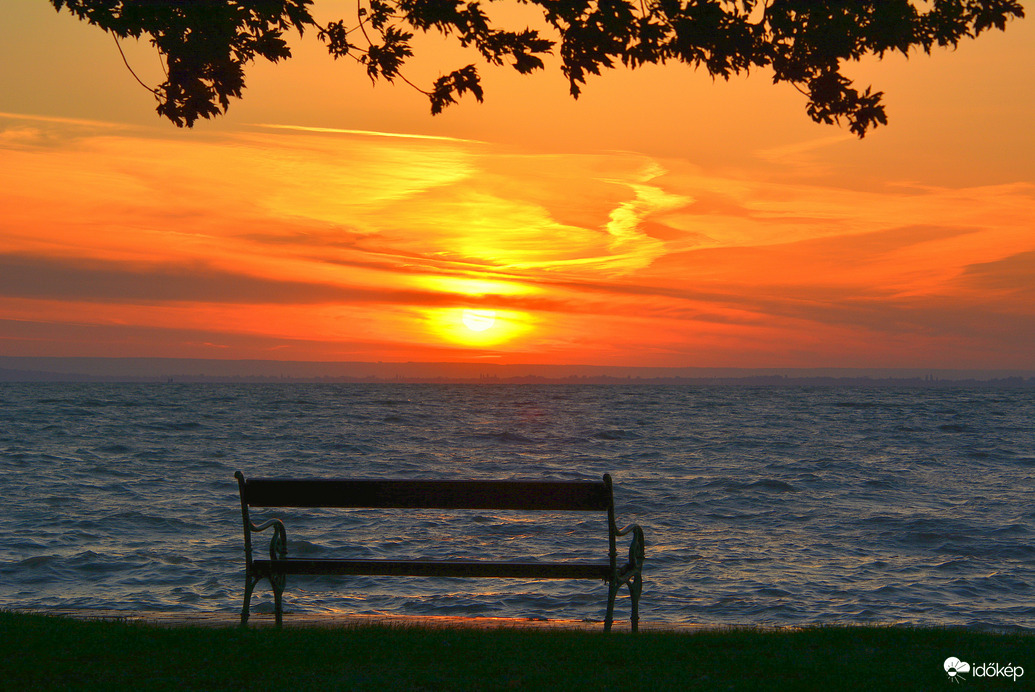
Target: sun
{"points": [[478, 327], [478, 320]]}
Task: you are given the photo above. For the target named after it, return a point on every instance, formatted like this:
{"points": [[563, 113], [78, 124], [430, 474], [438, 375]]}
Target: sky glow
{"points": [[659, 220]]}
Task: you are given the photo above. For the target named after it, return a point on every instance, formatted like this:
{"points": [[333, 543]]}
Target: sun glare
{"points": [[478, 327], [479, 320]]}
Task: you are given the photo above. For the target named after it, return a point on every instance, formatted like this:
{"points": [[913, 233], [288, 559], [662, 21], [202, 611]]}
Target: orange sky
{"points": [[659, 220]]}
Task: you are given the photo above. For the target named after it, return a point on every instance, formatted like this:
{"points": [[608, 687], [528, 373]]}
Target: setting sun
{"points": [[475, 328], [479, 320]]}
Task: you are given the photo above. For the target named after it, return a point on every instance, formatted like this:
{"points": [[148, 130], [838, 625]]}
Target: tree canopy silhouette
{"points": [[206, 44]]}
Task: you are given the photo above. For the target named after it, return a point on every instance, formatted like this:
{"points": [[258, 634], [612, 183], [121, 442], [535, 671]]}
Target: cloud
{"points": [[305, 236], [630, 241], [365, 133], [81, 122], [86, 339], [1014, 274], [23, 276]]}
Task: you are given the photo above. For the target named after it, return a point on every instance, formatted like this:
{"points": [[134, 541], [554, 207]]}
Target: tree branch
{"points": [[126, 63]]}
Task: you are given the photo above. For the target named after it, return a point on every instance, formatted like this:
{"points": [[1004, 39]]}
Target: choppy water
{"points": [[778, 506]]}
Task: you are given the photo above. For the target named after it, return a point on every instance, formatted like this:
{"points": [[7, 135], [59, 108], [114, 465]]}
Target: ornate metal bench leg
{"points": [[249, 586], [635, 589], [277, 582], [612, 593]]}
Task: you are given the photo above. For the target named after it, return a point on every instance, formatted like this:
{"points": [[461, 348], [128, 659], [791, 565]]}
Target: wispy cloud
{"points": [[364, 133], [96, 124], [293, 235]]}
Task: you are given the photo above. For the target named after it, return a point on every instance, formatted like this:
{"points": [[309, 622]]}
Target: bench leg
{"points": [[635, 589], [249, 586], [612, 593], [277, 582]]}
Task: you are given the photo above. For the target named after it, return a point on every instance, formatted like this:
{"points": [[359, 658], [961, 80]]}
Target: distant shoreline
{"points": [[185, 370]]}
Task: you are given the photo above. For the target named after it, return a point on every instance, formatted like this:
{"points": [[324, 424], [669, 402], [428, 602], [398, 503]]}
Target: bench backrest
{"points": [[429, 494]]}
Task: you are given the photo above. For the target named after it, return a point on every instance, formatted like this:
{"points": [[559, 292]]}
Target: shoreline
{"points": [[338, 620]]}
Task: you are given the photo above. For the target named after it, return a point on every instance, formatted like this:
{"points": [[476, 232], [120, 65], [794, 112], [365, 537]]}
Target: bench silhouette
{"points": [[544, 496]]}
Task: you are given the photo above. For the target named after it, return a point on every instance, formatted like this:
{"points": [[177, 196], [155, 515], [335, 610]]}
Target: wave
{"points": [[505, 436], [764, 485], [617, 435]]}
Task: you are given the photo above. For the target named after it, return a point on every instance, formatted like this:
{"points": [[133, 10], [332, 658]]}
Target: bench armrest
{"points": [[278, 542], [636, 549]]}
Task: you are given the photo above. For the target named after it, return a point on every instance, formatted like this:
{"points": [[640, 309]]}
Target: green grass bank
{"points": [[46, 652]]}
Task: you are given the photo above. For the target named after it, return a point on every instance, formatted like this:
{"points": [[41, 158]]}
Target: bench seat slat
{"points": [[428, 494], [437, 568]]}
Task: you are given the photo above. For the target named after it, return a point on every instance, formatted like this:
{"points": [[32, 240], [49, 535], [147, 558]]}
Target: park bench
{"points": [[545, 496]]}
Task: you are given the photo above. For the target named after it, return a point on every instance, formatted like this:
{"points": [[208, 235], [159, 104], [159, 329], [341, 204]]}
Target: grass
{"points": [[46, 652]]}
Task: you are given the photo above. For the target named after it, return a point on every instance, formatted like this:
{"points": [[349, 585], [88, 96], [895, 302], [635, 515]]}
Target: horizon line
{"points": [[166, 366]]}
